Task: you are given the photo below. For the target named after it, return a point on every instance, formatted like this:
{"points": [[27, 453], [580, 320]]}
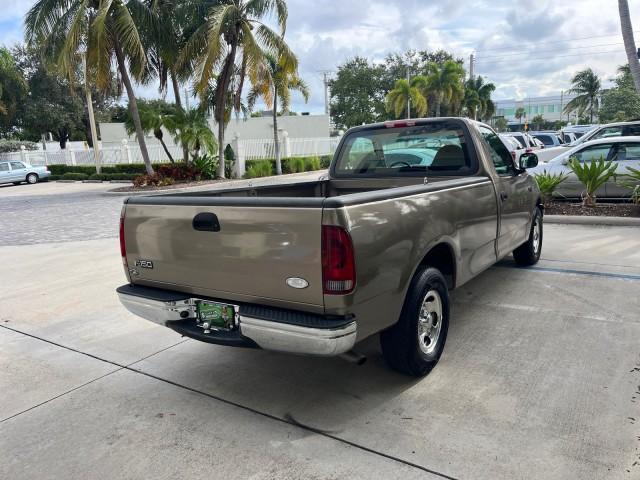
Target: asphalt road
{"points": [[540, 377]]}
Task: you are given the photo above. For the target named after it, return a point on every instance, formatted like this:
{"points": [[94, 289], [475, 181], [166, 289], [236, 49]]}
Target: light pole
{"points": [[408, 93]]}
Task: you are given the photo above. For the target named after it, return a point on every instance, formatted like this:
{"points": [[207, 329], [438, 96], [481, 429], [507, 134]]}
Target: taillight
{"points": [[338, 263], [123, 245]]}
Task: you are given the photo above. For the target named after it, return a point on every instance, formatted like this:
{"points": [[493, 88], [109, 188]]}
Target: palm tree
{"points": [[629, 42], [233, 29], [191, 129], [152, 121], [478, 95], [587, 87], [444, 82], [103, 30], [277, 86], [397, 101], [520, 114]]}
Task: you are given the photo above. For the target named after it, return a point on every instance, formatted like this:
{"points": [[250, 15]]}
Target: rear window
{"points": [[435, 148], [546, 139]]}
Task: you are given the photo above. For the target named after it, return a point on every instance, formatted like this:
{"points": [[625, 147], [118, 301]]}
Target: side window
{"points": [[17, 165], [608, 133], [594, 153], [628, 151], [546, 139], [632, 131], [4, 167], [501, 157]]}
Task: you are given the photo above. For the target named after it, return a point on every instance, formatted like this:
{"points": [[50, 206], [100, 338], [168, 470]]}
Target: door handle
{"points": [[206, 222], [503, 196]]}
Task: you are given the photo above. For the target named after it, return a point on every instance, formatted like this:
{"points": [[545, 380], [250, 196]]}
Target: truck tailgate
{"points": [[249, 257]]}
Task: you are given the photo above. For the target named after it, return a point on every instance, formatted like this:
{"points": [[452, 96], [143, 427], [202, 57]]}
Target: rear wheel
{"points": [[413, 345], [32, 178], [529, 252]]}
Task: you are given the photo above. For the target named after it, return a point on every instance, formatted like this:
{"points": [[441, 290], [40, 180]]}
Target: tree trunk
{"points": [[629, 42], [221, 100], [176, 92], [158, 135], [276, 140], [437, 106], [133, 108]]}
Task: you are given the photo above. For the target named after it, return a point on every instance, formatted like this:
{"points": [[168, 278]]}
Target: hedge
{"points": [[259, 168], [129, 168], [75, 176], [106, 177]]}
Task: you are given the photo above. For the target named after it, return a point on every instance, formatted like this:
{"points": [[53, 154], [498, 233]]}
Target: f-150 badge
{"points": [[144, 264]]}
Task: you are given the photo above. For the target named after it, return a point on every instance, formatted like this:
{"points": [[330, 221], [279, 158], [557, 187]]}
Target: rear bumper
{"points": [[258, 327]]}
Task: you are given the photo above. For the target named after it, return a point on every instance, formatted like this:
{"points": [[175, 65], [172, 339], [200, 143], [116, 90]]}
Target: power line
{"points": [[543, 51], [555, 56], [552, 41]]}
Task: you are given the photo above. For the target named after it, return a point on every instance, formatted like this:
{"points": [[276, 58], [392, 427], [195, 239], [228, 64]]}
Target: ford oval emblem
{"points": [[296, 282]]}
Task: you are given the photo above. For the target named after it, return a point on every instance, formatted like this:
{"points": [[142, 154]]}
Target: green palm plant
{"points": [[105, 32], [152, 121], [520, 114], [479, 103], [277, 86], [592, 175], [232, 29], [547, 184], [587, 86], [397, 100], [444, 82], [191, 129], [631, 180]]}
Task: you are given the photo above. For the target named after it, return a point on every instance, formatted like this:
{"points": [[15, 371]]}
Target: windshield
{"points": [[436, 148]]}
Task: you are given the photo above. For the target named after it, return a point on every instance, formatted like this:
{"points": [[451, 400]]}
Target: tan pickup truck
{"points": [[410, 210]]}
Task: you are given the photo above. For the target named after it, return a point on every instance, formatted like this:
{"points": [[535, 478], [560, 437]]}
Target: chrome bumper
{"points": [[269, 335]]}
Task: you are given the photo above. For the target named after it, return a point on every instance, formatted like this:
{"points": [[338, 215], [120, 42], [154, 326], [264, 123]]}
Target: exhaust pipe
{"points": [[354, 357]]}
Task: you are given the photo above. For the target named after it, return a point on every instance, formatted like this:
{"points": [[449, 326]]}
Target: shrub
{"points": [[75, 176], [154, 180], [312, 164], [547, 183], [178, 171], [53, 178], [7, 146], [207, 165], [294, 165], [97, 176], [325, 161], [631, 180], [592, 175], [262, 168]]}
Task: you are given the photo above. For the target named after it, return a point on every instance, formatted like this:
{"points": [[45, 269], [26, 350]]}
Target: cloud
{"points": [[525, 47]]}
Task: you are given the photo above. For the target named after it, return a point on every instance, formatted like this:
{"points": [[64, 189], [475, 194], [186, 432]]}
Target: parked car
{"points": [[549, 139], [513, 145], [610, 130], [314, 267], [568, 137], [623, 151], [530, 143], [17, 172]]}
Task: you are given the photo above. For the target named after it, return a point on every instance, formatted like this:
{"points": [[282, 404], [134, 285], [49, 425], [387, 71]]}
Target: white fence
{"points": [[108, 156], [262, 148]]}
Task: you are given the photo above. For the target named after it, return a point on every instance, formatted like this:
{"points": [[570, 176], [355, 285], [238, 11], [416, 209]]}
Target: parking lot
{"points": [[540, 377]]}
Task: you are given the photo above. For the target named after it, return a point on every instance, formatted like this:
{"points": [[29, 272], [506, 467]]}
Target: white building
{"points": [[549, 107]]}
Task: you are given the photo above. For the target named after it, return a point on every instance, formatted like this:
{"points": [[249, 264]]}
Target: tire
{"points": [[529, 252], [32, 178], [414, 344]]}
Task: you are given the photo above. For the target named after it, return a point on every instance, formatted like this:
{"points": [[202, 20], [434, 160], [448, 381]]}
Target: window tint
{"points": [[499, 154], [4, 167], [632, 131], [590, 154], [627, 151], [546, 139], [17, 165], [437, 148], [608, 132], [521, 139]]}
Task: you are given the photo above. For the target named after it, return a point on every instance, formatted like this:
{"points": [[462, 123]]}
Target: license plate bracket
{"points": [[216, 316]]}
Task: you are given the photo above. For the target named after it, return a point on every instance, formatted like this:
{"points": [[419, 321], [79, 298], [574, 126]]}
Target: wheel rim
{"points": [[537, 233], [31, 178], [430, 322]]}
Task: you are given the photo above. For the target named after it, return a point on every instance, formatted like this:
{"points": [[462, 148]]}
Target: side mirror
{"points": [[528, 160], [565, 161]]}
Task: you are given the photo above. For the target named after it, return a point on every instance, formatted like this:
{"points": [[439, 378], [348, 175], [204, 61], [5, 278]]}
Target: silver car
{"points": [[17, 172], [623, 151]]}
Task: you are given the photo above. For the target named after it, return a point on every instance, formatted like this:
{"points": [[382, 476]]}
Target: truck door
{"points": [[513, 192]]}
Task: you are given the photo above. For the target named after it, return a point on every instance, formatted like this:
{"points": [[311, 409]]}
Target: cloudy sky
{"points": [[525, 47]]}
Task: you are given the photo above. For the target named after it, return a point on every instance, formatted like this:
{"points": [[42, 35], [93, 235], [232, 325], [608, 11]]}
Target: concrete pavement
{"points": [[540, 379]]}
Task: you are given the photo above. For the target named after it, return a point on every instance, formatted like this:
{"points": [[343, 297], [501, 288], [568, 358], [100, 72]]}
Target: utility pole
{"points": [[408, 93], [472, 61], [92, 119], [561, 103], [326, 92]]}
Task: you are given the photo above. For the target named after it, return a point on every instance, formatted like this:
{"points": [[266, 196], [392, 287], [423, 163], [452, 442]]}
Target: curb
{"points": [[594, 220]]}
